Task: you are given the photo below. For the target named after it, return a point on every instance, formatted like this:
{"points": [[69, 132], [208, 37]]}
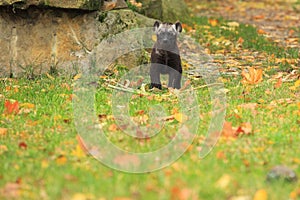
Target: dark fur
{"points": [[165, 58]]}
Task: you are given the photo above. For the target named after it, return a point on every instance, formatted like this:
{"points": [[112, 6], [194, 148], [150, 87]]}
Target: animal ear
{"points": [[178, 26], [156, 25]]}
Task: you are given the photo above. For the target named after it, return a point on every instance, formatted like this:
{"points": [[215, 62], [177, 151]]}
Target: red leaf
{"points": [[11, 108], [22, 145]]}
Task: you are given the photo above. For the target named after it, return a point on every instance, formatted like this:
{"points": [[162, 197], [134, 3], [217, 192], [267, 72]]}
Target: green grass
{"points": [[52, 166]]}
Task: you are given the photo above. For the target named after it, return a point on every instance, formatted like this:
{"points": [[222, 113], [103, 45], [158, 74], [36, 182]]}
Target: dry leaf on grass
{"points": [[254, 76]]}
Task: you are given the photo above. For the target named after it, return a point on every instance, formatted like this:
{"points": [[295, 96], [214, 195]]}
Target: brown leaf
{"points": [[254, 76]]}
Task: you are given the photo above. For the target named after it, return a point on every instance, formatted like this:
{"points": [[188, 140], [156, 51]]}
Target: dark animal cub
{"points": [[165, 58]]}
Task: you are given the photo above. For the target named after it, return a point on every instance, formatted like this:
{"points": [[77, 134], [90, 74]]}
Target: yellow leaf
{"points": [[27, 105], [297, 83], [78, 76], [45, 164], [154, 38], [254, 76], [78, 152], [261, 195], [180, 117], [49, 76], [233, 24], [223, 182]]}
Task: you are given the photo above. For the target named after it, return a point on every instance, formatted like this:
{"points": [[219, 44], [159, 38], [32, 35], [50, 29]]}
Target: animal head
{"points": [[167, 33]]}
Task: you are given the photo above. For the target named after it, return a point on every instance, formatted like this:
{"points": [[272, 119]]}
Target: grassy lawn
{"points": [[41, 157]]}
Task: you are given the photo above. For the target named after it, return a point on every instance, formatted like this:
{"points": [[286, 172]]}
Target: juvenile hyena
{"points": [[165, 58]]}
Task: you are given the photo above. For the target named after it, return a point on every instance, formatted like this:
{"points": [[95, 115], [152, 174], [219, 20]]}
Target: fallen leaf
{"points": [[154, 38], [213, 22], [3, 149], [228, 131], [81, 196], [233, 24], [254, 76], [224, 181], [278, 83], [221, 155], [258, 17], [260, 195], [78, 152], [180, 117], [113, 127], [22, 145], [246, 127], [76, 77], [260, 31], [3, 131], [49, 76], [240, 40], [27, 105], [11, 108], [179, 193], [61, 160]]}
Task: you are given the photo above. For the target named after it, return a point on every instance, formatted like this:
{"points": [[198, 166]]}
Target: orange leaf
{"points": [[260, 31], [254, 76], [3, 131], [11, 108], [257, 17], [61, 160], [113, 127], [278, 83], [228, 131], [240, 40], [213, 22]]}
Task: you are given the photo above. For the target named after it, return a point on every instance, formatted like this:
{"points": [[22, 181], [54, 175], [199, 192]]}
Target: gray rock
{"points": [[281, 172], [78, 4], [37, 40]]}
